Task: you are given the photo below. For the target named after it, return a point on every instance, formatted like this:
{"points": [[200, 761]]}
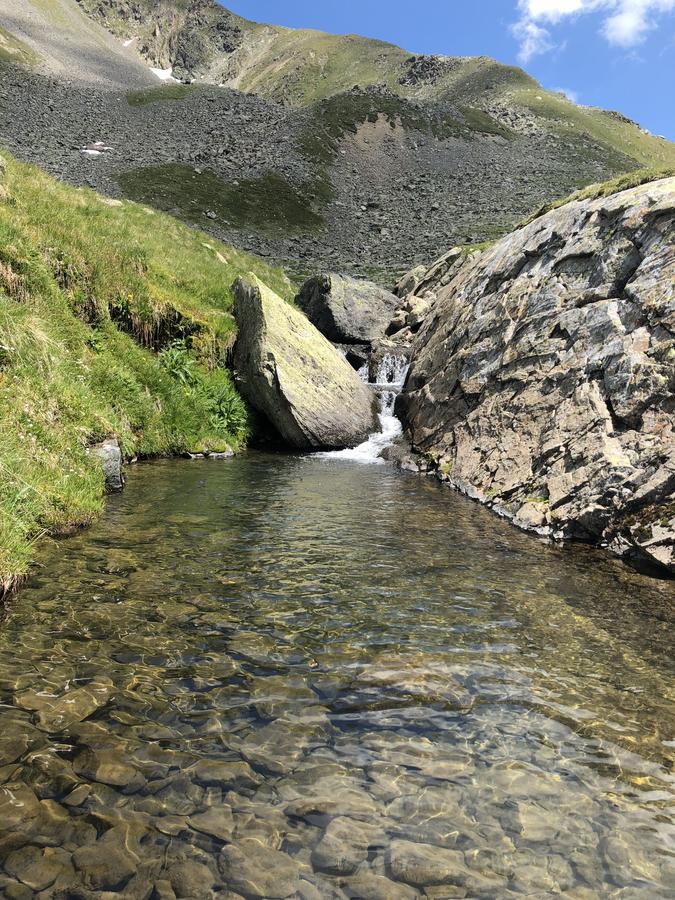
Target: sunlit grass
{"points": [[114, 319]]}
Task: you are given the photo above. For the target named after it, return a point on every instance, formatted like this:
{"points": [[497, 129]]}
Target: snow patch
{"points": [[164, 74], [96, 148]]}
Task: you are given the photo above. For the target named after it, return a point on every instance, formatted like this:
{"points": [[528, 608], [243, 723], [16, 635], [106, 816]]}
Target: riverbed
{"points": [[295, 676]]}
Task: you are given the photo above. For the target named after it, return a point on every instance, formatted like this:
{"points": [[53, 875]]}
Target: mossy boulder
{"points": [[347, 310], [289, 372]]}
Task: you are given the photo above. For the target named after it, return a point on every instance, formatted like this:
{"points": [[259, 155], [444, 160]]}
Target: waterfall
{"points": [[389, 380]]}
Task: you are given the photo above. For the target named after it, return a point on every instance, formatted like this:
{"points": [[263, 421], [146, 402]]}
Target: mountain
{"points": [[317, 150]]}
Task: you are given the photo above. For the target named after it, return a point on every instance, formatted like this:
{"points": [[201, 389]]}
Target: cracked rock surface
{"points": [[543, 379]]}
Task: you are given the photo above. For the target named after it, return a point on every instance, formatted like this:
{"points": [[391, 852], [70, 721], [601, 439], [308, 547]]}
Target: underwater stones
{"points": [[343, 847], [347, 310], [190, 878], [256, 871], [104, 867], [18, 805], [423, 864], [235, 774], [37, 868], [216, 822], [111, 459], [369, 886], [278, 747], [294, 376], [276, 694], [59, 713], [108, 767]]}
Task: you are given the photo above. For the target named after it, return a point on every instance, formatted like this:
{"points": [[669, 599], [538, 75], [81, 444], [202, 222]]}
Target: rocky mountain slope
{"points": [[56, 37], [543, 378], [290, 159]]}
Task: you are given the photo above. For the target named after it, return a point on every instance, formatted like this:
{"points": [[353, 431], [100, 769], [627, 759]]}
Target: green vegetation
{"points": [[12, 50], [603, 189], [342, 114], [263, 204], [160, 93], [624, 138], [114, 319]]}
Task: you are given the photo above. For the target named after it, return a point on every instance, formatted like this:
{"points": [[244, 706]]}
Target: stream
{"points": [[302, 676]]}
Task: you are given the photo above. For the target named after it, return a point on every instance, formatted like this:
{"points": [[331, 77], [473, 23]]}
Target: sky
{"points": [[618, 54]]}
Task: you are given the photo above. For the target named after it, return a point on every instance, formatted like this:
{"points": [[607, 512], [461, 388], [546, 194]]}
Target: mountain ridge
{"points": [[321, 150]]}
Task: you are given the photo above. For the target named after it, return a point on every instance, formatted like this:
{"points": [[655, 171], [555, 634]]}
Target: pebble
{"points": [[257, 871], [191, 879], [343, 847], [217, 822], [423, 864], [104, 867]]}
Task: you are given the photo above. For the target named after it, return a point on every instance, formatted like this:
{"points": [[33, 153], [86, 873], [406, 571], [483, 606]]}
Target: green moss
{"points": [[267, 204], [603, 189], [161, 93], [113, 320]]}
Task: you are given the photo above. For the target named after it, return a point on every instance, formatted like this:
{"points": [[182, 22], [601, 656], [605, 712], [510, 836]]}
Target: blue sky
{"points": [[619, 54]]}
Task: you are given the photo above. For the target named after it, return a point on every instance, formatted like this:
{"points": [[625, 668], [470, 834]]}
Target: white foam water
{"points": [[389, 380]]}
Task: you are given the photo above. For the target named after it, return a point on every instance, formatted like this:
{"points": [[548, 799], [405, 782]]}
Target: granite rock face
{"points": [[294, 376], [543, 380], [347, 310]]}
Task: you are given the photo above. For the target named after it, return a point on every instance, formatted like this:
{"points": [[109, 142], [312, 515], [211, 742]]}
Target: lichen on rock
{"points": [[288, 371], [543, 382]]}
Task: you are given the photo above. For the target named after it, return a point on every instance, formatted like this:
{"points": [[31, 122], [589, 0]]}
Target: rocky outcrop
{"points": [[347, 310], [111, 459], [418, 290], [294, 376], [543, 381]]}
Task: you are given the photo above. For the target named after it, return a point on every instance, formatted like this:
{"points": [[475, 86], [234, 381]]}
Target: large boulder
{"points": [[294, 376], [346, 310], [543, 383]]}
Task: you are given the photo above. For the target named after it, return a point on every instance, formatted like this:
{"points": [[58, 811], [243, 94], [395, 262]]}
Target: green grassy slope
{"points": [[114, 319]]}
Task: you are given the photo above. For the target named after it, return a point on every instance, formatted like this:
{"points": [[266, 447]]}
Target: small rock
{"points": [[343, 847], [34, 867], [216, 822], [104, 867], [424, 864], [111, 456], [256, 871], [191, 879], [107, 767]]}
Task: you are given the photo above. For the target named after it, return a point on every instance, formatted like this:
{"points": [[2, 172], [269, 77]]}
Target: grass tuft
{"points": [[114, 320], [602, 189]]}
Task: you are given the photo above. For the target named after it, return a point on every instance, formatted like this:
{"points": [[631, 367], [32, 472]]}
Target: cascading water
{"points": [[389, 380]]}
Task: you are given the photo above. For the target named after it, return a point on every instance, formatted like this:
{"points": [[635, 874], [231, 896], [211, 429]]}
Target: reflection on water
{"points": [[287, 677]]}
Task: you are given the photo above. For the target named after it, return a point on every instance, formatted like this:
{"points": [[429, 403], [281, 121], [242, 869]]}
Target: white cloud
{"points": [[533, 39], [572, 96], [626, 22]]}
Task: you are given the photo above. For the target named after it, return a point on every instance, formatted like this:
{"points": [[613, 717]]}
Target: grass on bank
{"points": [[603, 189], [269, 203], [114, 319]]}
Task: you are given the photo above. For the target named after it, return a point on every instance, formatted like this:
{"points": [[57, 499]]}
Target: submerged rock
{"points": [[292, 374], [543, 382], [347, 310], [256, 871]]}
